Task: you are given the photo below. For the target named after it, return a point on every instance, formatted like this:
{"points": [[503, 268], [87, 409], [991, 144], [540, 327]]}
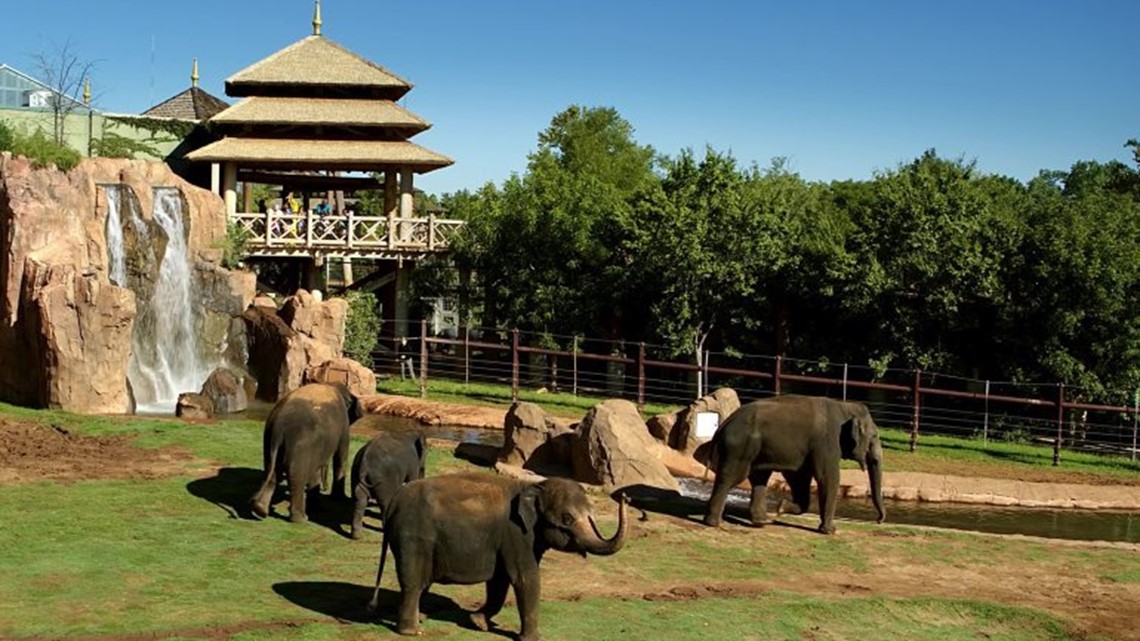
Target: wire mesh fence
{"points": [[923, 403]]}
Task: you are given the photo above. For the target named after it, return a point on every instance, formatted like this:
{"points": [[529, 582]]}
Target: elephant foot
{"points": [[295, 517], [480, 621], [760, 522], [409, 630], [712, 521], [826, 528], [356, 534]]}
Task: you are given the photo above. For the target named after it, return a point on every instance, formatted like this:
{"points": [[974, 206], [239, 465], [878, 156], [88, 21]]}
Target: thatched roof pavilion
{"points": [[315, 107], [194, 104]]}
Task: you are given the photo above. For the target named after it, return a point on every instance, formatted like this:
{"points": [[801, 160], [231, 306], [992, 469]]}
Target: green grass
{"points": [[168, 557], [557, 403]]}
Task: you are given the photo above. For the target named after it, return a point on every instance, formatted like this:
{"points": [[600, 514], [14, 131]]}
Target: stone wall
{"points": [[65, 330]]}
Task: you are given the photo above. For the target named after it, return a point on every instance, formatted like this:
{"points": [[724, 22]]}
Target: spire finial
{"points": [[194, 74], [317, 19], [87, 90]]}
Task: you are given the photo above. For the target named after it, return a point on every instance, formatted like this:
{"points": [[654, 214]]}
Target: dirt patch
{"points": [[434, 412], [32, 451]]}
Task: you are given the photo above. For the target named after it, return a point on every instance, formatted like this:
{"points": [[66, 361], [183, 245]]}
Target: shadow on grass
{"points": [[229, 489], [652, 499], [348, 603], [232, 487]]}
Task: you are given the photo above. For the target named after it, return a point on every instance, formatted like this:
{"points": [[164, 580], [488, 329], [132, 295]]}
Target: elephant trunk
{"points": [[875, 476], [593, 542]]}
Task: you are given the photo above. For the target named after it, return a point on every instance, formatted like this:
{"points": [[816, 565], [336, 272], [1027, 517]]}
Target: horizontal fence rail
{"points": [[276, 233], [920, 402]]}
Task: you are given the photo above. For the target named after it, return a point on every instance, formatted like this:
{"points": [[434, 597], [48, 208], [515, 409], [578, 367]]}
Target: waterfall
{"points": [[166, 355], [116, 256]]}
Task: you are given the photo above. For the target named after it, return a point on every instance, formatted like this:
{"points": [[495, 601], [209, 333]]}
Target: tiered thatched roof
{"points": [[316, 105]]}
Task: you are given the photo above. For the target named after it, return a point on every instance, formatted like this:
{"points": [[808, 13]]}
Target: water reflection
{"points": [[1084, 525]]}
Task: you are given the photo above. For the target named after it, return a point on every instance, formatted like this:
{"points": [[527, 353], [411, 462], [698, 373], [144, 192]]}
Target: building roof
{"points": [[358, 155], [13, 79], [193, 104], [316, 61], [322, 111]]}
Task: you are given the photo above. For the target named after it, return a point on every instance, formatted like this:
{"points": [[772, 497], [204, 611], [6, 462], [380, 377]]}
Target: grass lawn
{"points": [[167, 558]]}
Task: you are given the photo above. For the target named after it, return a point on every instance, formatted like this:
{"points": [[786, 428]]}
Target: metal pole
{"points": [[986, 420], [705, 375], [845, 381], [423, 359], [466, 355]]}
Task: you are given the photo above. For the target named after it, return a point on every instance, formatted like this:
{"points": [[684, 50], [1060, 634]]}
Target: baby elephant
{"points": [[379, 469]]}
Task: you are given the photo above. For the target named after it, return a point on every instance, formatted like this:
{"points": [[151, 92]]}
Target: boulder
{"points": [[226, 391], [322, 321], [679, 429], [613, 448], [194, 406], [360, 380], [533, 439]]}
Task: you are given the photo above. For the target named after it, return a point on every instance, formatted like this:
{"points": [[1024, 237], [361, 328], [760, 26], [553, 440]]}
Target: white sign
{"points": [[707, 422]]}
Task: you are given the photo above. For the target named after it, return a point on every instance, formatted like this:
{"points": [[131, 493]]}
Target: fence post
{"points": [[466, 354], [574, 365], [916, 391], [1135, 411], [986, 420], [641, 374], [776, 375], [845, 381], [423, 359], [1060, 424], [515, 365]]}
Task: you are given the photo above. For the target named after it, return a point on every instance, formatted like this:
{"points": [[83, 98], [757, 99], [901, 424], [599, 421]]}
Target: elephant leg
{"points": [[263, 500], [298, 494], [496, 597], [799, 485], [526, 593], [409, 617], [758, 506], [360, 495], [827, 480], [340, 467], [729, 476]]}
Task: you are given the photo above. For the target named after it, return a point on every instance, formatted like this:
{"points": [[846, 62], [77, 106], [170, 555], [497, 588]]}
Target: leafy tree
{"points": [[361, 326]]}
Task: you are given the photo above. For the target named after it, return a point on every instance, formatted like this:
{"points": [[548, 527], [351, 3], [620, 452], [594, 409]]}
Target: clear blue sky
{"points": [[841, 88]]}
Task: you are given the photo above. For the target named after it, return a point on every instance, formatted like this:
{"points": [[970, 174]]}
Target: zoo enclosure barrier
{"points": [[922, 403]]}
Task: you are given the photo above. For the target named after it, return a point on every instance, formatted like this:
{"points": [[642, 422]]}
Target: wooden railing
{"points": [[287, 234]]}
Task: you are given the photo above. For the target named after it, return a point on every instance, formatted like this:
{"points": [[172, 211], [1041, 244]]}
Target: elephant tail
{"points": [[271, 447], [374, 604]]}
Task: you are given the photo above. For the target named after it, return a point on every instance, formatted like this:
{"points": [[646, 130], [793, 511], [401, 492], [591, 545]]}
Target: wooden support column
{"points": [[216, 178], [247, 197], [401, 290], [229, 187], [407, 204], [390, 204]]}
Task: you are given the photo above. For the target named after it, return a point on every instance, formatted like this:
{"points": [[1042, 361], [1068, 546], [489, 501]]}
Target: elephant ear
{"points": [[527, 507], [855, 437]]}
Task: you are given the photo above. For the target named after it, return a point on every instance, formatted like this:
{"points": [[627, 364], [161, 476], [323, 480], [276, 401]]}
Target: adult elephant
{"points": [[306, 428], [379, 469], [476, 528], [802, 436]]}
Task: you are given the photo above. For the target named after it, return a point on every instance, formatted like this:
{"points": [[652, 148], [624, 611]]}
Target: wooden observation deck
{"points": [[286, 234]]}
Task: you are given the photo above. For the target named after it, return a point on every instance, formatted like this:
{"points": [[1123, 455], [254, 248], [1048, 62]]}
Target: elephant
{"points": [[802, 436], [304, 429], [477, 527], [379, 469]]}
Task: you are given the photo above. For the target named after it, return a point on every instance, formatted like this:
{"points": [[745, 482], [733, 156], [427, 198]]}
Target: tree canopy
{"points": [[930, 265]]}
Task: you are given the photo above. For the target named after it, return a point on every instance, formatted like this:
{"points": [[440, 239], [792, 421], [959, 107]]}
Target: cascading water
{"points": [[166, 356], [116, 255]]}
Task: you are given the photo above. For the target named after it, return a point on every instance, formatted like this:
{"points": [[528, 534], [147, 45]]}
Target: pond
{"points": [[1084, 525]]}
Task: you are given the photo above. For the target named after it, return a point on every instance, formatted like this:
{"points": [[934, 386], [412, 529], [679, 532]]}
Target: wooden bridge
{"points": [[276, 233]]}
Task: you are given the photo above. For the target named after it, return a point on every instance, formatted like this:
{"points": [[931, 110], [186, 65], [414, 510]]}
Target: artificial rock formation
{"points": [[63, 320], [678, 429], [533, 439], [301, 342], [613, 448], [225, 389]]}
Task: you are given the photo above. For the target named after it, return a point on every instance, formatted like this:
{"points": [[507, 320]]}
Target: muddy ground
{"points": [[31, 451]]}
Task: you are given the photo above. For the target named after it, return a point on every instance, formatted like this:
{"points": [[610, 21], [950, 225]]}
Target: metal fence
{"points": [[924, 403]]}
